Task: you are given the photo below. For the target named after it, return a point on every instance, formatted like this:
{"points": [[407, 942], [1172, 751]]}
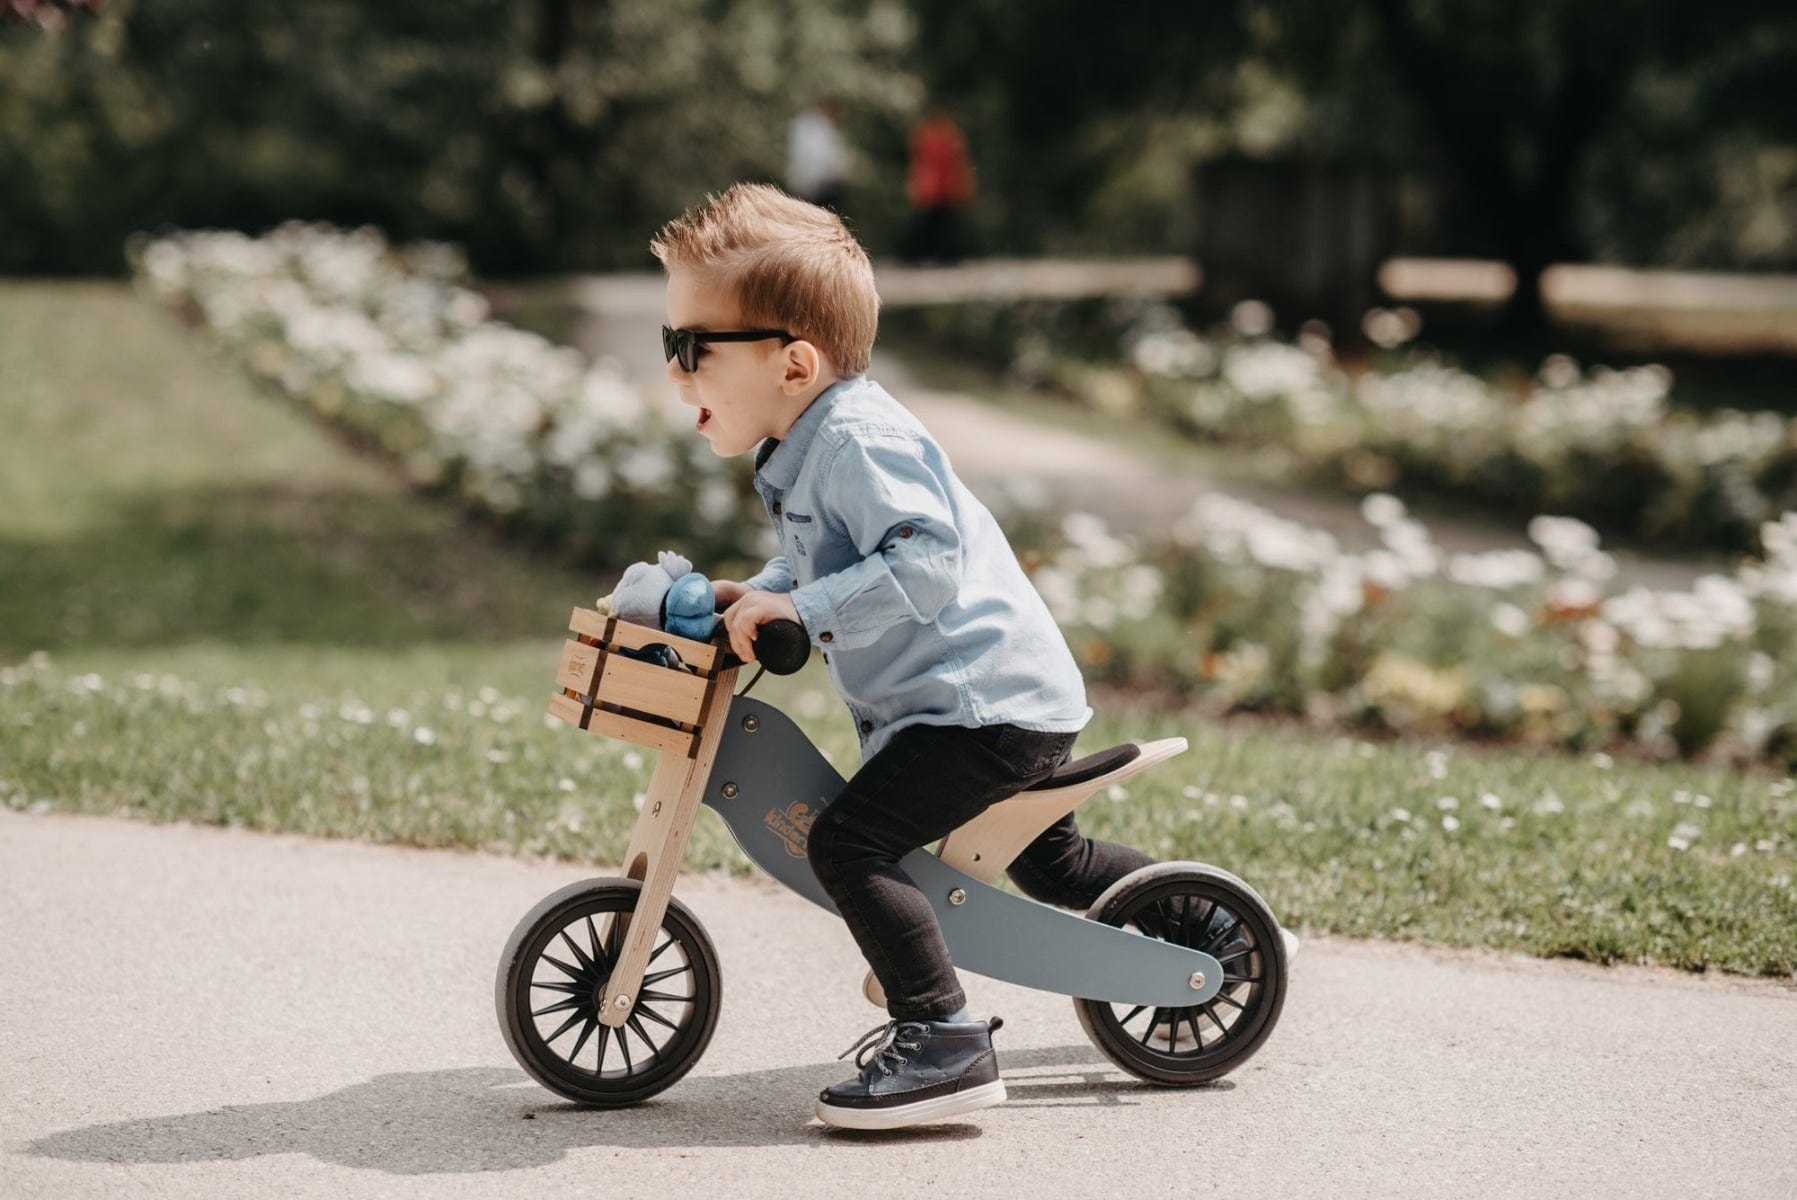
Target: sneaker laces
{"points": [[884, 1050]]}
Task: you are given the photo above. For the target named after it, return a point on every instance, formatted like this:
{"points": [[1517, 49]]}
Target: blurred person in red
{"points": [[940, 188]]}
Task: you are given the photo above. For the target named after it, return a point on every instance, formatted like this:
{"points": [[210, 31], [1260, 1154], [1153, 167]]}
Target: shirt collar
{"points": [[777, 461]]}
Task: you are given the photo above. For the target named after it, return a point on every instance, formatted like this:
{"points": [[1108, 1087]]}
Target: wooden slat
{"points": [[567, 708], [682, 742], [579, 668], [643, 733], [590, 624], [615, 632], [647, 687]]}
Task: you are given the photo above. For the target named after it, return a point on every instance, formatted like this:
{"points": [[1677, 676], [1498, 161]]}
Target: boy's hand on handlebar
{"points": [[726, 592], [749, 613]]}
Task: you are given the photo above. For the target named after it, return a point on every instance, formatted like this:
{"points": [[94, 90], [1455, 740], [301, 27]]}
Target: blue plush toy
{"points": [[664, 594]]}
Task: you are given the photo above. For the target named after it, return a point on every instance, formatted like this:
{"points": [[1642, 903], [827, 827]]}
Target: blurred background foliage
{"points": [[547, 135], [555, 135]]}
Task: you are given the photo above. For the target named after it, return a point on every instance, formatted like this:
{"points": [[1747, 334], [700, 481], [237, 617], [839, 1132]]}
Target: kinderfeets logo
{"points": [[794, 825]]}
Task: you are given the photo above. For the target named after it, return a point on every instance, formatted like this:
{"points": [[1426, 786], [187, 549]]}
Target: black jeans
{"points": [[923, 784]]}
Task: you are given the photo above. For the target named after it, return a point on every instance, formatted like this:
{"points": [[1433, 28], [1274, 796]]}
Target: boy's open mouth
{"points": [[704, 416]]}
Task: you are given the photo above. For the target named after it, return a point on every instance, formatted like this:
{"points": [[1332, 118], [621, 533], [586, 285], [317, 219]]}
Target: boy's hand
{"points": [[753, 609], [726, 592]]}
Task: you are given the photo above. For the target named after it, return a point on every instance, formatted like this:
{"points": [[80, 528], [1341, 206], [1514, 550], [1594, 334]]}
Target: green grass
{"points": [[212, 611]]}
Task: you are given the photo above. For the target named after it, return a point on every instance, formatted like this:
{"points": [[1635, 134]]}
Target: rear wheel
{"points": [[552, 977], [1208, 909]]}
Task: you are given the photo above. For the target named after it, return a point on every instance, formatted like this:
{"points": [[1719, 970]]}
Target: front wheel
{"points": [[552, 976], [1203, 908]]}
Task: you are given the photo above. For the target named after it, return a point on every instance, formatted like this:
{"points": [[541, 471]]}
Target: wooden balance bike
{"points": [[609, 989]]}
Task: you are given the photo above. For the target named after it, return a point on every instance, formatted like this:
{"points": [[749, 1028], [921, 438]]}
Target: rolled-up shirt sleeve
{"points": [[897, 511], [775, 577]]}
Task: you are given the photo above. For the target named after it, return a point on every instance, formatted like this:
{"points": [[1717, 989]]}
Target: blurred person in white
{"points": [[819, 162]]}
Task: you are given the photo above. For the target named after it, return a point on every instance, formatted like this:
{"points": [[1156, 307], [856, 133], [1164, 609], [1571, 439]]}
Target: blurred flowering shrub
{"points": [[386, 342], [1253, 611], [1232, 604], [1600, 444]]}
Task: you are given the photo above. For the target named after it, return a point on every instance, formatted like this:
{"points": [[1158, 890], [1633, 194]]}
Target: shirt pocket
{"points": [[798, 530]]}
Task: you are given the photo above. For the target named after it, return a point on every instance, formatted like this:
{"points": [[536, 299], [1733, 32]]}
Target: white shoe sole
{"points": [[1291, 945], [901, 1115]]}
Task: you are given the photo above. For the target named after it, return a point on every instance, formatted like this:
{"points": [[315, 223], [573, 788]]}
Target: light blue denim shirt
{"points": [[903, 578]]}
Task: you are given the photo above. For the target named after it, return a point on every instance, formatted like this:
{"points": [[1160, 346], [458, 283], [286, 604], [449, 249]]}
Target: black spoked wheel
{"points": [[553, 975], [1206, 909]]}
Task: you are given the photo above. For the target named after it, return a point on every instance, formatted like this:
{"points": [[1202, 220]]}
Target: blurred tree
{"points": [[1513, 101], [556, 134], [1547, 129], [1058, 97], [553, 134], [47, 14]]}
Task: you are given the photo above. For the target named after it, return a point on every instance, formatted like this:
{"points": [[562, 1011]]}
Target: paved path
{"points": [[1655, 310], [620, 317], [630, 292], [191, 1011]]}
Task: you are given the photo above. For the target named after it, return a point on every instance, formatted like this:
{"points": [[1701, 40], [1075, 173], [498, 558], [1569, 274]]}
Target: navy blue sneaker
{"points": [[917, 1071]]}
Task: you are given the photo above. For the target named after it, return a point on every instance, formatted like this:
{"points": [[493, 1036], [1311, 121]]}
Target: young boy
{"points": [[962, 686]]}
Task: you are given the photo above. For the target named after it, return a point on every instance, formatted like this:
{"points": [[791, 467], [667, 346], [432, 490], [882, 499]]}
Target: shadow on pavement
{"points": [[475, 1119]]}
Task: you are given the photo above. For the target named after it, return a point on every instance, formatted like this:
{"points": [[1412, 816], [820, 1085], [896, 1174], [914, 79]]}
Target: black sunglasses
{"points": [[684, 343]]}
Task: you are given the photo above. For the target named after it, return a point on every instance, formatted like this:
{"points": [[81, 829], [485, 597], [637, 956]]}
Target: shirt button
{"points": [[824, 636], [905, 531], [866, 726]]}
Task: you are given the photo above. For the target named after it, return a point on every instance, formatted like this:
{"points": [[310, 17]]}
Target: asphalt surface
{"points": [[192, 1011]]}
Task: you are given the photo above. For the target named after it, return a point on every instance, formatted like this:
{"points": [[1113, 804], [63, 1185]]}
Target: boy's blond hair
{"points": [[791, 265]]}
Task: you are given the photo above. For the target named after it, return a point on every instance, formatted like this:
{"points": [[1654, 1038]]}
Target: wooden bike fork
{"points": [[669, 809]]}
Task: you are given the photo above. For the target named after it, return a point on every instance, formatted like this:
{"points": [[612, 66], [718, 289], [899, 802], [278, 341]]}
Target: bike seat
{"points": [[1090, 767]]}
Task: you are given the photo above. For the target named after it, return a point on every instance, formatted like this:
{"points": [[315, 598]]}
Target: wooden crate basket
{"points": [[605, 692]]}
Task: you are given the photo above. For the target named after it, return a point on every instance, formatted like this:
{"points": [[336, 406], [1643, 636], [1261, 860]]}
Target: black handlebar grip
{"points": [[782, 646]]}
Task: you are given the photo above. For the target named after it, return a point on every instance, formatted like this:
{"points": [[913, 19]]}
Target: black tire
{"points": [[1224, 917], [582, 919]]}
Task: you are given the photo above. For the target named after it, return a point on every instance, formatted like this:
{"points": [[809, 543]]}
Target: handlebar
{"points": [[781, 646]]}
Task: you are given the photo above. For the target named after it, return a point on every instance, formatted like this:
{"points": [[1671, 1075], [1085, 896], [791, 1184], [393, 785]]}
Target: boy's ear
{"points": [[800, 366]]}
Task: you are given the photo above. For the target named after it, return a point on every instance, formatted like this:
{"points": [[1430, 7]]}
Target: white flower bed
{"points": [[1257, 611], [1601, 444], [1235, 604], [386, 342]]}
